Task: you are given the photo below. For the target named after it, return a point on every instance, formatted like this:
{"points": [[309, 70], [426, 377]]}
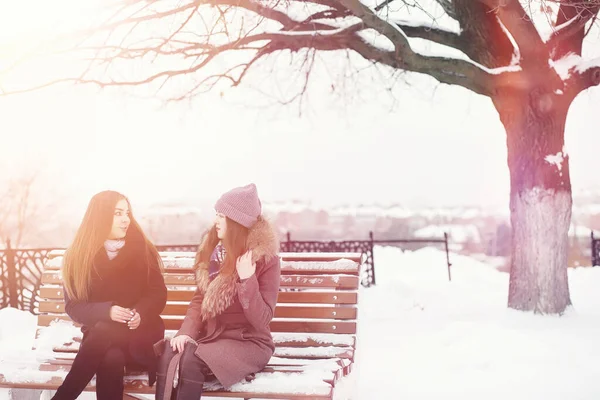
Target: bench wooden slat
{"points": [[286, 268], [313, 326], [319, 256], [314, 263], [284, 255], [310, 297], [276, 325], [280, 338], [270, 368], [316, 353], [187, 279], [337, 371], [73, 345], [331, 364], [304, 352], [318, 312], [281, 311], [321, 281], [140, 386], [312, 340]]}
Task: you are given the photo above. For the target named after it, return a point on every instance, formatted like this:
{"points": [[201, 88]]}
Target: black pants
{"points": [[192, 374], [103, 353]]}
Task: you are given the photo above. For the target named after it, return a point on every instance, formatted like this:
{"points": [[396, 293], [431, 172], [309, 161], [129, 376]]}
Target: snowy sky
{"points": [[421, 143]]}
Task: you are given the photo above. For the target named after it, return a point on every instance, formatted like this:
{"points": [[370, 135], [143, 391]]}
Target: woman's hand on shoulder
{"points": [[120, 314], [244, 265], [178, 342]]}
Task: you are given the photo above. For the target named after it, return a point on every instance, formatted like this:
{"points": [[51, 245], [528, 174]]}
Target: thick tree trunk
{"points": [[540, 200]]}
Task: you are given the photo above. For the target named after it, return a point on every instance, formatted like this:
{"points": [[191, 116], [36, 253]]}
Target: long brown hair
{"points": [[235, 244], [78, 263]]}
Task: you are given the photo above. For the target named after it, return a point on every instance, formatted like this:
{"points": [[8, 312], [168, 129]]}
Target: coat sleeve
{"points": [[154, 296], [192, 322], [258, 294], [87, 312]]}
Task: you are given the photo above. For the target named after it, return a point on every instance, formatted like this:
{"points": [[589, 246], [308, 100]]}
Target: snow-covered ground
{"points": [[422, 337]]}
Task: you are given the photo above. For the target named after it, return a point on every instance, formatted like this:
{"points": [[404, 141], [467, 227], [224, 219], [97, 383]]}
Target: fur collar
{"points": [[219, 294]]}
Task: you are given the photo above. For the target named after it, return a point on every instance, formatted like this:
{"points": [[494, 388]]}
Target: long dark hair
{"points": [[94, 229], [235, 243]]}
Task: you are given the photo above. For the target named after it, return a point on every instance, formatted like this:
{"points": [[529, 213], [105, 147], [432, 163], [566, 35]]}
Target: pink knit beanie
{"points": [[241, 205]]}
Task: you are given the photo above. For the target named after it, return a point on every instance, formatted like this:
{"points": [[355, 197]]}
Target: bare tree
{"points": [[531, 79], [18, 209]]}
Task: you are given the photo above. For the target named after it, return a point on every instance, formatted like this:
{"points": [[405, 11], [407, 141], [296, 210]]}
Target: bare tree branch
{"points": [[24, 209], [570, 27], [6, 206], [488, 41], [583, 78], [383, 5], [333, 4], [327, 14], [267, 27], [434, 34], [448, 7], [516, 20], [446, 70], [17, 209]]}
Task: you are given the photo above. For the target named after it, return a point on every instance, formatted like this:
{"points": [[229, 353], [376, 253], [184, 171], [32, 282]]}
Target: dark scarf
{"points": [[216, 261]]}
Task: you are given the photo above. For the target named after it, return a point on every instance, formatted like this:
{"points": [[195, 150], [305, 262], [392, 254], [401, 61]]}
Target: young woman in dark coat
{"points": [[114, 287]]}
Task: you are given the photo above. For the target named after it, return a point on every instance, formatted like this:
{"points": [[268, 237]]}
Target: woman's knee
{"points": [[192, 366], [113, 359], [188, 354], [106, 330], [165, 355]]}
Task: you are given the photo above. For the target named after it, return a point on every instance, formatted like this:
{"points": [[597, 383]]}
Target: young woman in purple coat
{"points": [[225, 333], [114, 287]]}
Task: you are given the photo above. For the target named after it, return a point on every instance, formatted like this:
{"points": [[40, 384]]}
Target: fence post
{"points": [[447, 255], [594, 252], [288, 243], [13, 298], [372, 246]]}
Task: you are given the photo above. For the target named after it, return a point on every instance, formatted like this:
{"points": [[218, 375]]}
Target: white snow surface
{"points": [[457, 233], [423, 337], [555, 159]]}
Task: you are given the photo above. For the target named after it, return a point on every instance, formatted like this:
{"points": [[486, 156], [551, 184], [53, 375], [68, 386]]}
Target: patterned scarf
{"points": [[216, 261], [112, 247]]}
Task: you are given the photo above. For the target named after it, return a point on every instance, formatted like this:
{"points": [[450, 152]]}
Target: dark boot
{"points": [[192, 374], [165, 355]]}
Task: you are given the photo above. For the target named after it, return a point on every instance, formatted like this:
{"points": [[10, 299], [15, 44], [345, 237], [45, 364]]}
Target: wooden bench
{"points": [[314, 329]]}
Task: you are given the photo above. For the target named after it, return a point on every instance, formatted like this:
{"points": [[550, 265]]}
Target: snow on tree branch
{"points": [[570, 26], [432, 33], [520, 26], [577, 73], [584, 75]]}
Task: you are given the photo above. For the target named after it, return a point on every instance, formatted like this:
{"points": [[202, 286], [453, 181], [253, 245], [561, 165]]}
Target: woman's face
{"points": [[120, 220], [221, 225]]}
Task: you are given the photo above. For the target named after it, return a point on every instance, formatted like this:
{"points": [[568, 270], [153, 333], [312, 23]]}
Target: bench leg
{"points": [[24, 394]]}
